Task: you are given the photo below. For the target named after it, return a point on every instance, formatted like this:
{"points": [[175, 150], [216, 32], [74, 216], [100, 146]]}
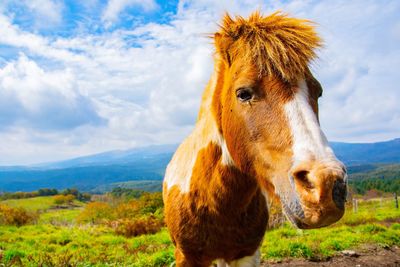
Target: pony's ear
{"points": [[222, 45]]}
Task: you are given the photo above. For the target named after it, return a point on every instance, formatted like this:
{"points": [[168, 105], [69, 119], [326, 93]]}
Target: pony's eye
{"points": [[244, 94]]}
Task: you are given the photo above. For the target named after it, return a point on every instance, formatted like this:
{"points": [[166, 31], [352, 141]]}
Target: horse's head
{"points": [[266, 109]]}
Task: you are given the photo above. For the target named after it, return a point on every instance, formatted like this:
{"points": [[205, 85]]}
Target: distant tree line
{"points": [[46, 192], [126, 193], [381, 184], [385, 178]]}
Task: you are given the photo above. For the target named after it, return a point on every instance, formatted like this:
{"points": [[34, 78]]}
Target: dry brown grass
{"points": [[138, 226], [16, 216]]}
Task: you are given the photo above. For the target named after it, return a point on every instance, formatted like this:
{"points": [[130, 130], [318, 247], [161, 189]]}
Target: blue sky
{"points": [[81, 77]]}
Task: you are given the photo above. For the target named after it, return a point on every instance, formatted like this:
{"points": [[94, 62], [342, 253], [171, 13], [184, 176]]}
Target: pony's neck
{"points": [[226, 184]]}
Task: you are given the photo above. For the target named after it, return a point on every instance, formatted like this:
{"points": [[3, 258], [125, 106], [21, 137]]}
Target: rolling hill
{"points": [[367, 153], [89, 172], [144, 167]]}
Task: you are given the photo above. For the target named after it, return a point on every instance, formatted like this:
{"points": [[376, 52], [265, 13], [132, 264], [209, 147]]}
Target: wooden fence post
{"points": [[396, 201], [355, 205]]}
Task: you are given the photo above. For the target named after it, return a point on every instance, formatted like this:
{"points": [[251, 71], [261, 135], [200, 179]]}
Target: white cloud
{"points": [[356, 69], [33, 98], [143, 98], [47, 12], [12, 35], [41, 14], [115, 7]]}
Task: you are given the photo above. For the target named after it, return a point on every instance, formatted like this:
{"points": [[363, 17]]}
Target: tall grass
{"points": [[57, 240], [48, 245], [376, 222], [36, 203], [31, 204]]}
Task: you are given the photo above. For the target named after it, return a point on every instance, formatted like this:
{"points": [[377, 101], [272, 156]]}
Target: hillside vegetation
{"points": [[384, 178], [95, 235]]}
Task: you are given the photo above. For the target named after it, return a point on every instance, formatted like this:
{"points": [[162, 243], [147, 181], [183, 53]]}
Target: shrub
{"points": [[16, 216], [139, 226], [96, 212], [85, 197], [18, 195], [78, 195], [128, 210], [132, 218], [126, 193], [47, 192], [63, 199], [70, 191], [151, 202]]}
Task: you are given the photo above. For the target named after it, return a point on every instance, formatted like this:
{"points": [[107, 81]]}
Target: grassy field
{"points": [[57, 240], [35, 203], [31, 204]]}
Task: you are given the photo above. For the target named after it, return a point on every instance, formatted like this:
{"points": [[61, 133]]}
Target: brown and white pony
{"points": [[257, 136]]}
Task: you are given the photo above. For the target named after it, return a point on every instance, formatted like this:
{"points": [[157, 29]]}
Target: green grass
{"points": [[58, 241], [62, 217], [83, 246], [371, 211], [364, 227], [322, 243], [31, 204], [35, 203]]}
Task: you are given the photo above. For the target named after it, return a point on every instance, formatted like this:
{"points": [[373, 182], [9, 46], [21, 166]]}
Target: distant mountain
{"points": [[130, 168], [119, 157], [89, 172], [367, 153]]}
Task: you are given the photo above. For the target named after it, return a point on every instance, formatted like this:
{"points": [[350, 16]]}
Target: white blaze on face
{"points": [[309, 142]]}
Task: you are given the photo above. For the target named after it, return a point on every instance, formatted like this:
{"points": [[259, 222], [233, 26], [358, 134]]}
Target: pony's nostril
{"points": [[302, 177], [339, 193]]}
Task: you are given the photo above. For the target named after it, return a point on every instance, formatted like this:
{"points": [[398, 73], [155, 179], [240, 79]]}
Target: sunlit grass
{"points": [[31, 204], [57, 240], [66, 216], [34, 203], [89, 245], [367, 225], [325, 242]]}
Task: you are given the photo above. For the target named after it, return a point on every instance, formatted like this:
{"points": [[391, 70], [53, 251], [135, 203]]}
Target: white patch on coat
{"points": [[249, 261], [309, 142], [221, 263], [226, 156], [180, 169]]}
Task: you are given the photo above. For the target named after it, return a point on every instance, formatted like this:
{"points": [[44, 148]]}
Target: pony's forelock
{"points": [[275, 44]]}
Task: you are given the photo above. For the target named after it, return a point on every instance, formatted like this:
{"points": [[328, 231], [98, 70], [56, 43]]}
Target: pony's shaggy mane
{"points": [[275, 44]]}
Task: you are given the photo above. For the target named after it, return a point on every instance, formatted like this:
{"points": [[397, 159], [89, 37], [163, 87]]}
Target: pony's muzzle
{"points": [[321, 188]]}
